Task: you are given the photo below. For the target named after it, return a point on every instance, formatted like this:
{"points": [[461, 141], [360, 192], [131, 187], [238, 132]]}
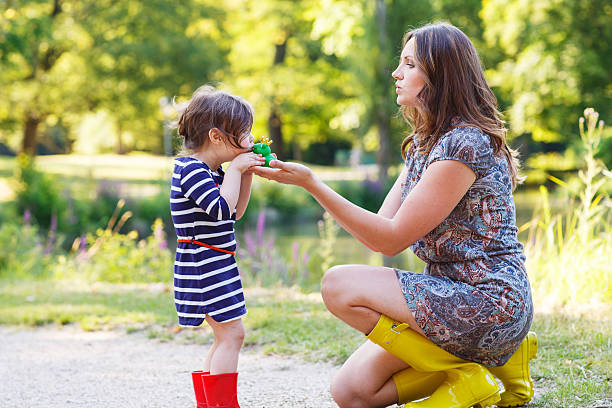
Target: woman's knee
{"points": [[346, 393], [334, 283]]}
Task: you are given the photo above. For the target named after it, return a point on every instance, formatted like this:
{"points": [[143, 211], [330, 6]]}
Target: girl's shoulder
{"points": [[187, 165]]}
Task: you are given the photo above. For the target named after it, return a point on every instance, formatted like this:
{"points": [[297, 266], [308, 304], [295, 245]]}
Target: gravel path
{"points": [[66, 367]]}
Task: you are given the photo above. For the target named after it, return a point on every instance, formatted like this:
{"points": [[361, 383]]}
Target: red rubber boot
{"points": [[220, 390], [198, 388]]}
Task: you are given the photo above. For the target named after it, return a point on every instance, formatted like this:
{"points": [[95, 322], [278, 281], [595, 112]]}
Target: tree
{"points": [[40, 65], [556, 60], [279, 62], [64, 58]]}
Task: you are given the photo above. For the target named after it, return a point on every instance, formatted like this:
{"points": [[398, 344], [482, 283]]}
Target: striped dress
{"points": [[206, 281]]}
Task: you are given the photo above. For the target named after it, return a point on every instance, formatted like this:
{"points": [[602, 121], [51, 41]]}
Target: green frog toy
{"points": [[263, 148]]}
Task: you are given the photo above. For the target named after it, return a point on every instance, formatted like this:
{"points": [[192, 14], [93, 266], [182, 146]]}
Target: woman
{"points": [[434, 334]]}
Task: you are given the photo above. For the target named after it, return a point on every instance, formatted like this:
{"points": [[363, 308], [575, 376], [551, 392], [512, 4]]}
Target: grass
{"points": [[573, 368]]}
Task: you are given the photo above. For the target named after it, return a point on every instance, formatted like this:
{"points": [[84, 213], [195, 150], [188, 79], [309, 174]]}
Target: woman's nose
{"points": [[396, 74]]}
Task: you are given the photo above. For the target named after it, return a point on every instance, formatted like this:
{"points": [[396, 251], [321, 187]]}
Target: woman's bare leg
{"points": [[365, 379], [359, 294]]}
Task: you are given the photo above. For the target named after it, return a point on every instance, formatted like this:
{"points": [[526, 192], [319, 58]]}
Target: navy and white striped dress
{"points": [[206, 281]]}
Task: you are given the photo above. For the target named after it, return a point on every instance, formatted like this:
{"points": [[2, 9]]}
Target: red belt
{"points": [[192, 241]]}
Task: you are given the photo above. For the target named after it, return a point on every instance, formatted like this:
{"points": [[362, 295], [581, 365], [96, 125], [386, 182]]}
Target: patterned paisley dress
{"points": [[474, 298]]}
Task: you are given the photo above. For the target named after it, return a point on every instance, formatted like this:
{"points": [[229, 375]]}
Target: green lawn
{"points": [[573, 368]]}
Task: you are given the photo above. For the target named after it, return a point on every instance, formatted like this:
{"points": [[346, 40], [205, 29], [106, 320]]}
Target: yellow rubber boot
{"points": [[467, 383], [515, 374], [413, 385]]}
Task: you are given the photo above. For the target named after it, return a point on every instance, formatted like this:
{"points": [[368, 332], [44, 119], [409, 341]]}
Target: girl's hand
{"points": [[287, 173], [246, 161]]}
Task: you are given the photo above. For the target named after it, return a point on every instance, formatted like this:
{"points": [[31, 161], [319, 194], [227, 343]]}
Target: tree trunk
{"points": [[274, 120], [44, 63], [30, 134], [276, 132], [297, 151], [119, 146], [383, 115], [382, 111]]}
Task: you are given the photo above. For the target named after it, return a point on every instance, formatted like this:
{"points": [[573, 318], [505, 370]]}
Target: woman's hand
{"points": [[287, 173]]}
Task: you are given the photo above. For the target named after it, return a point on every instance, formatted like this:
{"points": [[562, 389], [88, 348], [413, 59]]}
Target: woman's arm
{"points": [[393, 200], [244, 195], [440, 189]]}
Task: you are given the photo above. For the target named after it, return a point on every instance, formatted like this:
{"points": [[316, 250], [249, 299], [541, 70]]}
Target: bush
{"points": [[24, 253], [39, 193], [113, 257], [568, 254]]}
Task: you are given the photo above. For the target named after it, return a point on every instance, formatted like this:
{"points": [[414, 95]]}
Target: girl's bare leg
{"points": [[228, 339], [209, 355]]}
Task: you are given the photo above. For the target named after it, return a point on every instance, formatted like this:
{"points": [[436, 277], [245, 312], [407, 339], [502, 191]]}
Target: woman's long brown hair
{"points": [[455, 91]]}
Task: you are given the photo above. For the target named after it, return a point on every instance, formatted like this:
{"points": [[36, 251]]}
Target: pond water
{"points": [[290, 240]]}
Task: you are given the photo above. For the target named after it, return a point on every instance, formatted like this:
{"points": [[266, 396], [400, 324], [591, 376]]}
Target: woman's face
{"points": [[408, 78]]}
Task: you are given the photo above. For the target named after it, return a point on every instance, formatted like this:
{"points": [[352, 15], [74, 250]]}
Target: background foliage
{"points": [[317, 71]]}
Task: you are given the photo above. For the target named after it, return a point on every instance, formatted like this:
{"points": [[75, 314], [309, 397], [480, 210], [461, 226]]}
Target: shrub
{"points": [[113, 257], [24, 253], [568, 254], [38, 193]]}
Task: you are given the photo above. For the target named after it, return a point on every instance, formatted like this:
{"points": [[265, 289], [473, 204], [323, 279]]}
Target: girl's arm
{"points": [[244, 194], [440, 189], [231, 189]]}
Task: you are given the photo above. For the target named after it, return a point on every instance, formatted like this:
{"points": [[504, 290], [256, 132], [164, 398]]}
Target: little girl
{"points": [[204, 203]]}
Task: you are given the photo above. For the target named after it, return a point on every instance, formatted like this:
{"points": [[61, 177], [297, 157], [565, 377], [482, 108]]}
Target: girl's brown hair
{"points": [[209, 109], [455, 90]]}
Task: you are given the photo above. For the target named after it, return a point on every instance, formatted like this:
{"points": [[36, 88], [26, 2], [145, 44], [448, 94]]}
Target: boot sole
{"points": [[488, 401]]}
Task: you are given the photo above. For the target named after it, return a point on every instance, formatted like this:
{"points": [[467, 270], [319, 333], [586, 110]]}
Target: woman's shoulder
{"points": [[467, 132], [465, 143]]}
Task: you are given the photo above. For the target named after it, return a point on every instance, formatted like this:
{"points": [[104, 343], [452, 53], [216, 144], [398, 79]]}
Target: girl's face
{"points": [[247, 141], [246, 144], [409, 79]]}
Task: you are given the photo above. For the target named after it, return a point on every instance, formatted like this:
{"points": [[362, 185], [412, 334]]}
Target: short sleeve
{"points": [[467, 144], [198, 185]]}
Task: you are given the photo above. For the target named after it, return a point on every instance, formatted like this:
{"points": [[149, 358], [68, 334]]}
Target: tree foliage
{"points": [[315, 70], [556, 60]]}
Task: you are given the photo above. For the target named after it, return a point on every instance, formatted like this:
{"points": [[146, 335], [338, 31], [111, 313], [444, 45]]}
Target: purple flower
{"points": [[27, 216], [296, 251], [261, 226], [53, 226], [52, 230], [251, 246], [83, 243]]}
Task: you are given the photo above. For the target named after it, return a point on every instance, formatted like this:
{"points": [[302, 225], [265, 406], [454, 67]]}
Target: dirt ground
{"points": [[55, 367]]}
